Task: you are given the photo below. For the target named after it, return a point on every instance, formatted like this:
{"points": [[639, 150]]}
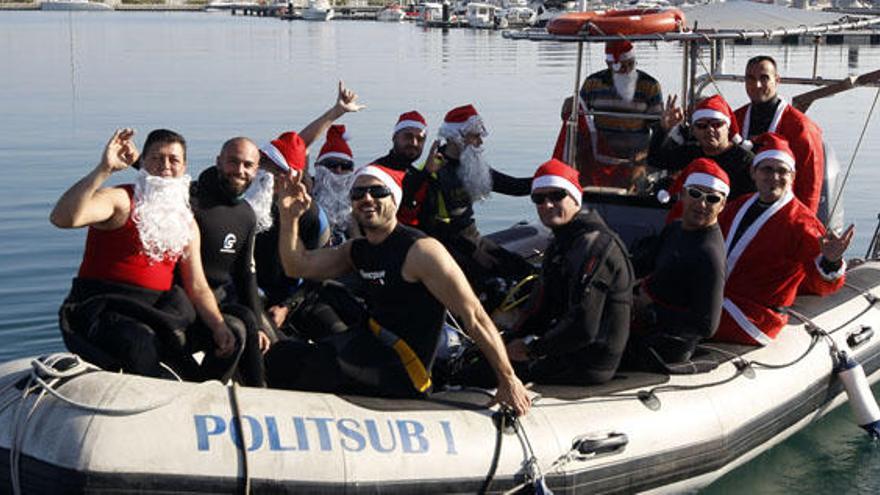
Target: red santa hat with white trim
{"points": [[461, 121], [707, 173], [288, 152], [772, 145], [618, 51], [556, 173], [336, 144], [715, 107], [411, 119], [390, 178]]}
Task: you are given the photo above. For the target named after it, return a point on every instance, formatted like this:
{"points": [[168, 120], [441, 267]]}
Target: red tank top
{"points": [[117, 256]]}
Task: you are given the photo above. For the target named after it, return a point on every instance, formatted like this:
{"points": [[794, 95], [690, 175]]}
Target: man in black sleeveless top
{"points": [[409, 280]]}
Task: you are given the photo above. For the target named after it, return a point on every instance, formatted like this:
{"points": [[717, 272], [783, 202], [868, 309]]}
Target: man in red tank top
{"points": [[122, 311]]}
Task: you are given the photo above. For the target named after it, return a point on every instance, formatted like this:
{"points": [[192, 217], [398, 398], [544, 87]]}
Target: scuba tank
{"points": [[861, 399]]}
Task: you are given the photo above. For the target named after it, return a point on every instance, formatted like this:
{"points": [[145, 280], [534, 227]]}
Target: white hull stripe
{"points": [[734, 254], [740, 318]]}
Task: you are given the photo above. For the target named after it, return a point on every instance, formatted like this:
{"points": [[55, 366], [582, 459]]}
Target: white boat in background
{"points": [[482, 15], [318, 10], [222, 5], [517, 13], [391, 13], [75, 5]]}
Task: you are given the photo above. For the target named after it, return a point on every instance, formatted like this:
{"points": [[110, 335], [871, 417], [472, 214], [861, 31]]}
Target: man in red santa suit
{"points": [[775, 246], [768, 112]]}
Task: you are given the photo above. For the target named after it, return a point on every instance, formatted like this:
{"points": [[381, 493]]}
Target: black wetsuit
{"points": [[761, 117], [667, 154], [448, 215], [357, 361], [227, 224], [580, 310], [687, 286]]}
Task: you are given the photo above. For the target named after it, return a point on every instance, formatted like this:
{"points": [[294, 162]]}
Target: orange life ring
{"points": [[630, 21]]}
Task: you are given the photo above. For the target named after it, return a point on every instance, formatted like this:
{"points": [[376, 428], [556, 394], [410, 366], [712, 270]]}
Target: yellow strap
{"points": [[416, 370]]}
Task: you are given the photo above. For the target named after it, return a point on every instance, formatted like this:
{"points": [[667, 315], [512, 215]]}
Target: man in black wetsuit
{"points": [[713, 133], [577, 324], [679, 301], [409, 280], [459, 176], [228, 226], [407, 143]]}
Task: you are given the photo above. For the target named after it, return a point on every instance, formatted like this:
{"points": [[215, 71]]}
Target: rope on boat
{"points": [[45, 374], [236, 418], [853, 158]]}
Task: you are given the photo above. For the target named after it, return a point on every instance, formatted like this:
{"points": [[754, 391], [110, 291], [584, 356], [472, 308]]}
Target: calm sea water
{"points": [[69, 79]]}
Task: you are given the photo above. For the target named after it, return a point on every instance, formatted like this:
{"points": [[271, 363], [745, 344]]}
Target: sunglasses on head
{"points": [[714, 124], [376, 192], [554, 196], [711, 198]]}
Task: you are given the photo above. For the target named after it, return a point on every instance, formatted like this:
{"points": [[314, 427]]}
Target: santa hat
{"points": [[336, 145], [772, 145], [410, 119], [716, 108], [288, 152], [461, 121], [558, 174], [618, 51], [705, 172], [392, 179]]}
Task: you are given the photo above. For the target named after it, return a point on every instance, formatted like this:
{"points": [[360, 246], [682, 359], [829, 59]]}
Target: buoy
{"points": [[861, 398]]}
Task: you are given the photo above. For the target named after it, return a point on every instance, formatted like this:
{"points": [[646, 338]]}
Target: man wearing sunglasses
{"points": [[679, 301], [578, 320], [713, 133], [409, 281], [776, 248]]}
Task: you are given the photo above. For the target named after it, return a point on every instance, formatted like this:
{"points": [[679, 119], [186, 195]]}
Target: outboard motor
{"points": [[861, 398]]}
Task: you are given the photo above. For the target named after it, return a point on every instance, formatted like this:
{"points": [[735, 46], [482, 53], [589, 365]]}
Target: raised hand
{"points": [[435, 159], [672, 114], [293, 199], [833, 246], [120, 152], [346, 100]]}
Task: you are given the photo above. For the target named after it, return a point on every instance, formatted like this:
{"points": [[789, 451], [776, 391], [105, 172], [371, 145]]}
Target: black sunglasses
{"points": [[554, 196], [343, 165], [714, 124], [697, 194], [376, 192]]}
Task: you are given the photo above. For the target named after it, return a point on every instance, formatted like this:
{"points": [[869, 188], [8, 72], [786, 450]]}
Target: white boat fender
{"points": [[861, 399]]}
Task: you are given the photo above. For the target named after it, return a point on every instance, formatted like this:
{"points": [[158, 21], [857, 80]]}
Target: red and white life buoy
{"points": [[626, 22]]}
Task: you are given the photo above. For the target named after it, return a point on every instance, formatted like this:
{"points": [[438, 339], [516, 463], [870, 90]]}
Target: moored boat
{"points": [[391, 13], [80, 5], [318, 10]]}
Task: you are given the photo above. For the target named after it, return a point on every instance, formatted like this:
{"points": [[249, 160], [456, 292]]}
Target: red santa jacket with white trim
{"points": [[777, 254], [805, 139]]}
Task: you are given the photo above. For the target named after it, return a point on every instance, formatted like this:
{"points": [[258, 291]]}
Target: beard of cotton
{"points": [[162, 215], [475, 173], [331, 193], [259, 195], [625, 84]]}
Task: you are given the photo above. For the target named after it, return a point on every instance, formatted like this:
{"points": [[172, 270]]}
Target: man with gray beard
{"points": [[123, 312], [462, 177]]}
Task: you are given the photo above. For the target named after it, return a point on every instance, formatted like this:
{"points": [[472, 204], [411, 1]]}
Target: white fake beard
{"points": [[259, 195], [162, 215], [625, 84], [331, 193], [474, 173]]}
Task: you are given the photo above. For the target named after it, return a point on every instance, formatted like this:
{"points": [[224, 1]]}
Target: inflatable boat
{"points": [[68, 427]]}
